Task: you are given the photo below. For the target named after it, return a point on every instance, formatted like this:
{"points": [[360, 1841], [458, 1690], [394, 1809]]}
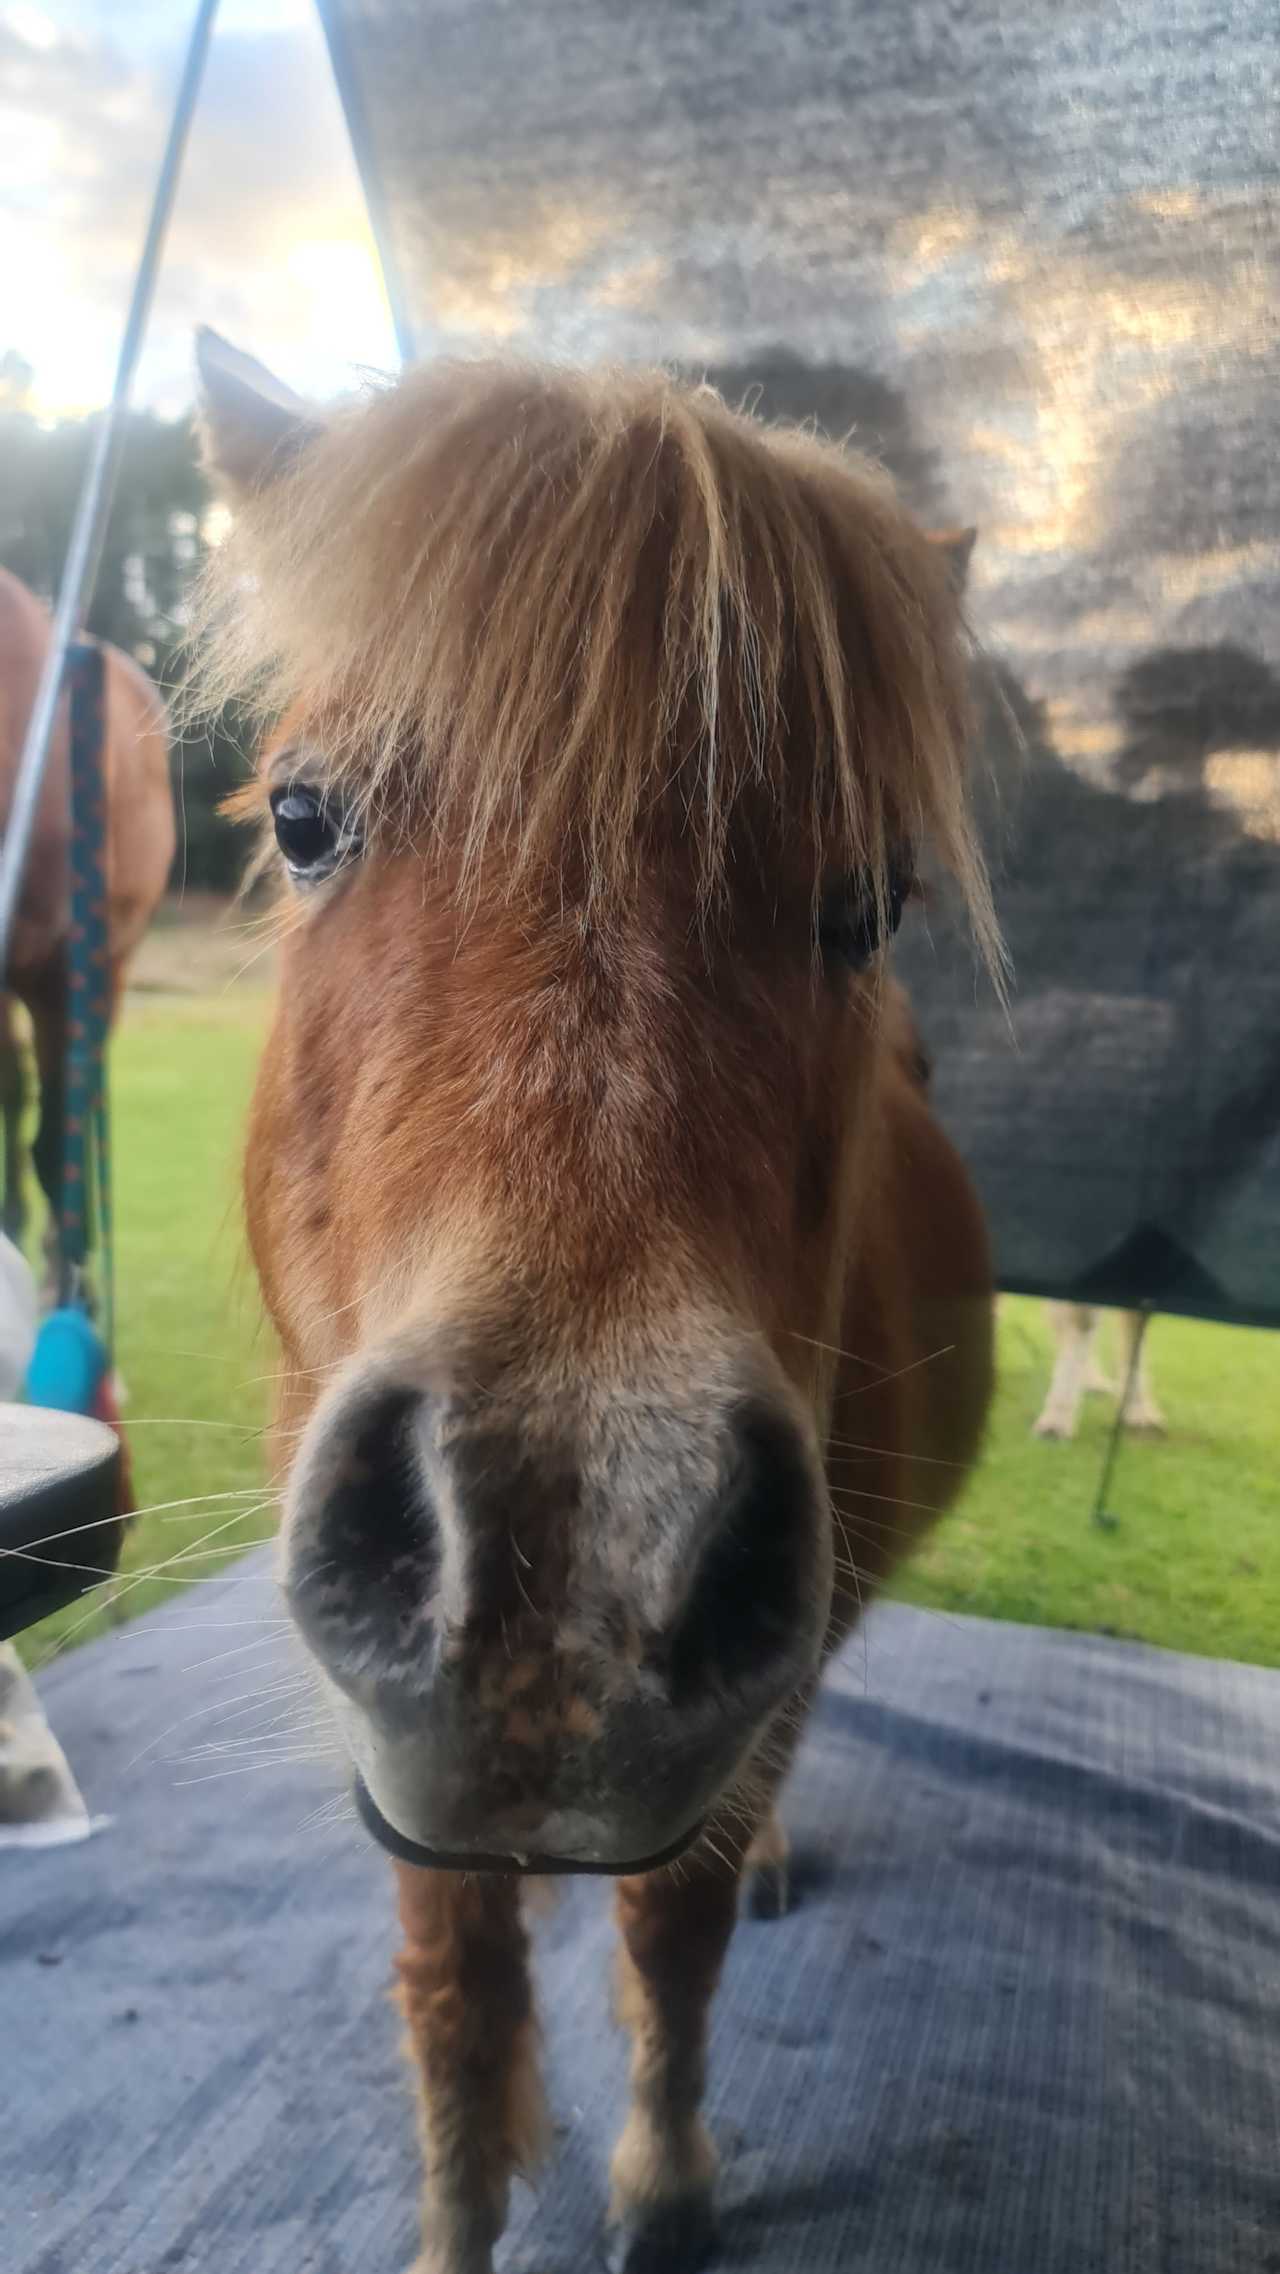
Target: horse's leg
{"points": [[1097, 1380], [465, 1996], [675, 1928], [1073, 1326], [1140, 1408], [13, 1098]]}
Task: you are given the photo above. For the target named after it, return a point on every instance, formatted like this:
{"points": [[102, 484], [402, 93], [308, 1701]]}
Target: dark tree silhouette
{"points": [[154, 546], [843, 400], [1180, 705]]}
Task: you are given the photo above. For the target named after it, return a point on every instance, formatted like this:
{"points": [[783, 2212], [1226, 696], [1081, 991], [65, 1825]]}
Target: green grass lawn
{"points": [[191, 1349], [1191, 1561]]}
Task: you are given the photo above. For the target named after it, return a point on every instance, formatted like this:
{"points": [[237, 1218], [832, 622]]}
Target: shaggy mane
{"points": [[531, 609]]}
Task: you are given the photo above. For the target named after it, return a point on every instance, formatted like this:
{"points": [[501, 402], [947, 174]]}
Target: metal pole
{"points": [[1102, 1516], [363, 150], [84, 549]]}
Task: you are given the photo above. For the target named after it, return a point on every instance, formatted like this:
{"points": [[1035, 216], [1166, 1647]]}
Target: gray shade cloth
{"points": [[1032, 256], [1023, 2019]]}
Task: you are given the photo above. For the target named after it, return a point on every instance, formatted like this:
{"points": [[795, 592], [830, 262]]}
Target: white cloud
{"points": [[269, 239]]}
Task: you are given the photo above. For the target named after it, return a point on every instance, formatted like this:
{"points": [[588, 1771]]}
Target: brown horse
{"points": [[140, 847], [635, 1311]]}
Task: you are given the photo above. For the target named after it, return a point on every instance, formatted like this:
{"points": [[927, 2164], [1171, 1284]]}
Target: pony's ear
{"points": [[252, 425], [957, 547]]}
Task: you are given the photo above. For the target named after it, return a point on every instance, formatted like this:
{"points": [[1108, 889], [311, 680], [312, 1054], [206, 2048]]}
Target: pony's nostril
{"points": [[364, 1555], [749, 1599]]}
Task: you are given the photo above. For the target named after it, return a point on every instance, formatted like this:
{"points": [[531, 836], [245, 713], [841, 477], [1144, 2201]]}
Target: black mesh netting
{"points": [[1030, 254]]}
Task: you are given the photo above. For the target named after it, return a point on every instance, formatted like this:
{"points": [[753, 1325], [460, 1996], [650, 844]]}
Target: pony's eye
{"points": [[309, 831], [851, 927]]}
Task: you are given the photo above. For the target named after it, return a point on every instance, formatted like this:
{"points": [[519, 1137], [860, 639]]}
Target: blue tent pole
{"points": [[84, 549]]}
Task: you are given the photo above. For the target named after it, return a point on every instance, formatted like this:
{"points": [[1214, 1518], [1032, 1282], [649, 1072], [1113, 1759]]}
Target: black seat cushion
{"points": [[60, 1527]]}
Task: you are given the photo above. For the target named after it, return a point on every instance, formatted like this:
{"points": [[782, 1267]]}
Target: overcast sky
{"points": [[269, 240]]}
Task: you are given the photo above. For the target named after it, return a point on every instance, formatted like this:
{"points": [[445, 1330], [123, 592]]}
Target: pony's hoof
{"points": [[665, 2238], [1146, 1421], [769, 1890], [1050, 1426]]}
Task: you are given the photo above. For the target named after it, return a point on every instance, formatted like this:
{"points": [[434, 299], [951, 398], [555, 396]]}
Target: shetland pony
{"points": [[635, 1312], [140, 836]]}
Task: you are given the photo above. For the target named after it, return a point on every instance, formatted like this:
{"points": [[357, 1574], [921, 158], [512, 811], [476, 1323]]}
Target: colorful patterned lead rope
{"points": [[85, 1160]]}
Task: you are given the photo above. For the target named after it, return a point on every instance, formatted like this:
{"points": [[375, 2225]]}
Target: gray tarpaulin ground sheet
{"points": [[1032, 255], [1025, 2018]]}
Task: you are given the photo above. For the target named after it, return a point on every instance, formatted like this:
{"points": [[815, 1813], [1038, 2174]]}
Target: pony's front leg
{"points": [[465, 1996], [675, 1927]]}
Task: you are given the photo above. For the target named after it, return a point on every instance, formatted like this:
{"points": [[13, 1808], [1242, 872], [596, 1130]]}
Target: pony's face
{"points": [[548, 1204], [559, 1160]]}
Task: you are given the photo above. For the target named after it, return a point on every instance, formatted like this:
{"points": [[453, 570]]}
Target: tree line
{"points": [[155, 543]]}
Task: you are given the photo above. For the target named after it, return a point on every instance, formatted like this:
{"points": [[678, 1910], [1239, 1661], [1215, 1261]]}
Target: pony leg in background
{"points": [[1074, 1327], [1098, 1381], [1140, 1410], [1078, 1370]]}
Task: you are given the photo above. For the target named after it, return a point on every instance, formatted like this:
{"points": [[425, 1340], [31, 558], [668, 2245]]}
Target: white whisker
{"points": [[896, 1452], [887, 1499], [252, 1768], [898, 1376], [248, 1700], [237, 1650], [95, 1523]]}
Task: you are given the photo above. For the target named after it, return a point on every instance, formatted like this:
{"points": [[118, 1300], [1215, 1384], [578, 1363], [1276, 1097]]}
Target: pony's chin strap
{"points": [[443, 1859]]}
